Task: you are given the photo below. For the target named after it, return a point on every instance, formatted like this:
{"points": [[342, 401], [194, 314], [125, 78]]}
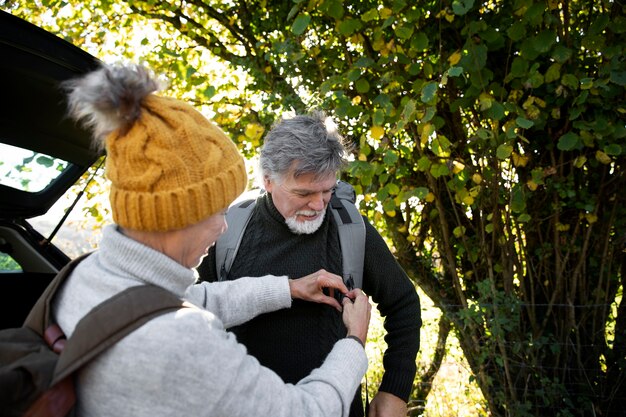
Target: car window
{"points": [[8, 264], [26, 170]]}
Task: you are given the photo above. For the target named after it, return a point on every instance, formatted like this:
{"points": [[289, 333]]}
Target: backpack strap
{"points": [[39, 317], [226, 248], [111, 320], [349, 222], [351, 228]]}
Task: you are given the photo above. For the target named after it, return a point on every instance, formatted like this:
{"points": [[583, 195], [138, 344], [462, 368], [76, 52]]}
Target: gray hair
{"points": [[303, 144]]}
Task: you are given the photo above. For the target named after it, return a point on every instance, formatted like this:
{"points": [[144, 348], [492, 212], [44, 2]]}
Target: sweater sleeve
{"points": [[236, 302], [185, 363], [398, 303]]}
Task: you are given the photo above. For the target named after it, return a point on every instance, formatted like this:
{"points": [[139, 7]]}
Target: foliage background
{"points": [[490, 154]]}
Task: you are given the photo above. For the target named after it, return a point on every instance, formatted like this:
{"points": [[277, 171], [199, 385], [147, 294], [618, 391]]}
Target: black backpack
{"points": [[347, 217], [37, 363]]}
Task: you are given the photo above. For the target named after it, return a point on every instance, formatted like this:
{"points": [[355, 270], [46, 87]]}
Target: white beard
{"points": [[305, 227]]}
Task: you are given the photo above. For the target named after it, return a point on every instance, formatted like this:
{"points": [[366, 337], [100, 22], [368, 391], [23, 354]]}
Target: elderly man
{"points": [[291, 232]]}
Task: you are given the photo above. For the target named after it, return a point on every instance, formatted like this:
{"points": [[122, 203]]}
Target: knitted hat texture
{"points": [[169, 166], [172, 169]]}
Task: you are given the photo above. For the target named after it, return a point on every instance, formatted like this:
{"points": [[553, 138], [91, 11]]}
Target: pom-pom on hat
{"points": [[169, 166]]}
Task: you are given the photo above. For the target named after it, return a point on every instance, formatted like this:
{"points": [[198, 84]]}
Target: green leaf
{"points": [[420, 192], [300, 24], [390, 158], [461, 7], [363, 62], [455, 71], [518, 201], [389, 205], [45, 161], [504, 151], [570, 80], [371, 14], [519, 67], [569, 141], [613, 149], [561, 54], [544, 41], [524, 123], [586, 83], [553, 73], [409, 110], [362, 86], [423, 164], [393, 189], [354, 74], [333, 8], [517, 31], [349, 26], [496, 111], [209, 91], [419, 41], [404, 31], [378, 118], [618, 77], [428, 91], [439, 170]]}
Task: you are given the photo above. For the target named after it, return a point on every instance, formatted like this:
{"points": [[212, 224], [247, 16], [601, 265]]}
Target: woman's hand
{"points": [[311, 288]]}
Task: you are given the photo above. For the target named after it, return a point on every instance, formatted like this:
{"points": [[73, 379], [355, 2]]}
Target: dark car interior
{"points": [[33, 64]]}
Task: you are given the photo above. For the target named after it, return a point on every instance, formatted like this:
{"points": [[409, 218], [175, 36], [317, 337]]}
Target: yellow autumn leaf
{"points": [[603, 158], [532, 185], [591, 218], [468, 199], [457, 167], [384, 12], [562, 227], [253, 130], [391, 213], [477, 178], [519, 160], [356, 100], [454, 58], [362, 157], [579, 162], [377, 132], [430, 197]]}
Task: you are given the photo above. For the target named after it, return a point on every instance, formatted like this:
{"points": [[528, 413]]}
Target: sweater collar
{"points": [[128, 257]]}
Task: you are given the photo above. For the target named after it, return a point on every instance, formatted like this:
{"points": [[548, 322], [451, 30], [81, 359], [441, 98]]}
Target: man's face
{"points": [[302, 201]]}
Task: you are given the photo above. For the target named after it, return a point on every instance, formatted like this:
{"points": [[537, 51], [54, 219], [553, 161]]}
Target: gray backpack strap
{"points": [[347, 217], [227, 245], [351, 233]]}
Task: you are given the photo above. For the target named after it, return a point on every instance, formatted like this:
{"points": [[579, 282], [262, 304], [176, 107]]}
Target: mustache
{"points": [[308, 212]]}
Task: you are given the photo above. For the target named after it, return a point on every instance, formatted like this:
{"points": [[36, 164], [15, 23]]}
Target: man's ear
{"points": [[268, 183]]}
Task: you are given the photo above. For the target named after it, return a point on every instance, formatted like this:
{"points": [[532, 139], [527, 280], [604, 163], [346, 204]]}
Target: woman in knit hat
{"points": [[173, 174]]}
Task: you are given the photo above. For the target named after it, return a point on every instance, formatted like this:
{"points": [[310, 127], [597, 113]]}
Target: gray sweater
{"points": [[184, 363]]}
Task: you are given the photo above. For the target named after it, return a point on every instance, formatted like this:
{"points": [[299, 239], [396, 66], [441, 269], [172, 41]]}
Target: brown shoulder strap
{"points": [[39, 317], [110, 321]]}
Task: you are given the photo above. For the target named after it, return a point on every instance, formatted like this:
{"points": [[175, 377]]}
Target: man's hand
{"points": [[356, 314], [385, 404], [310, 288]]}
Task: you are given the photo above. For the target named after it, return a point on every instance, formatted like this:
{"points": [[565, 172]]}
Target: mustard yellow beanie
{"points": [[169, 166]]}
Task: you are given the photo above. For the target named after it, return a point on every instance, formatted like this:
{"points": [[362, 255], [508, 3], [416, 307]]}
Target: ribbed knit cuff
{"points": [[398, 383]]}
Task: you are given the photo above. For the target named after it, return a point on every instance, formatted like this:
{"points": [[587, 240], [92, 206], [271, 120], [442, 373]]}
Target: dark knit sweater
{"points": [[295, 341]]}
